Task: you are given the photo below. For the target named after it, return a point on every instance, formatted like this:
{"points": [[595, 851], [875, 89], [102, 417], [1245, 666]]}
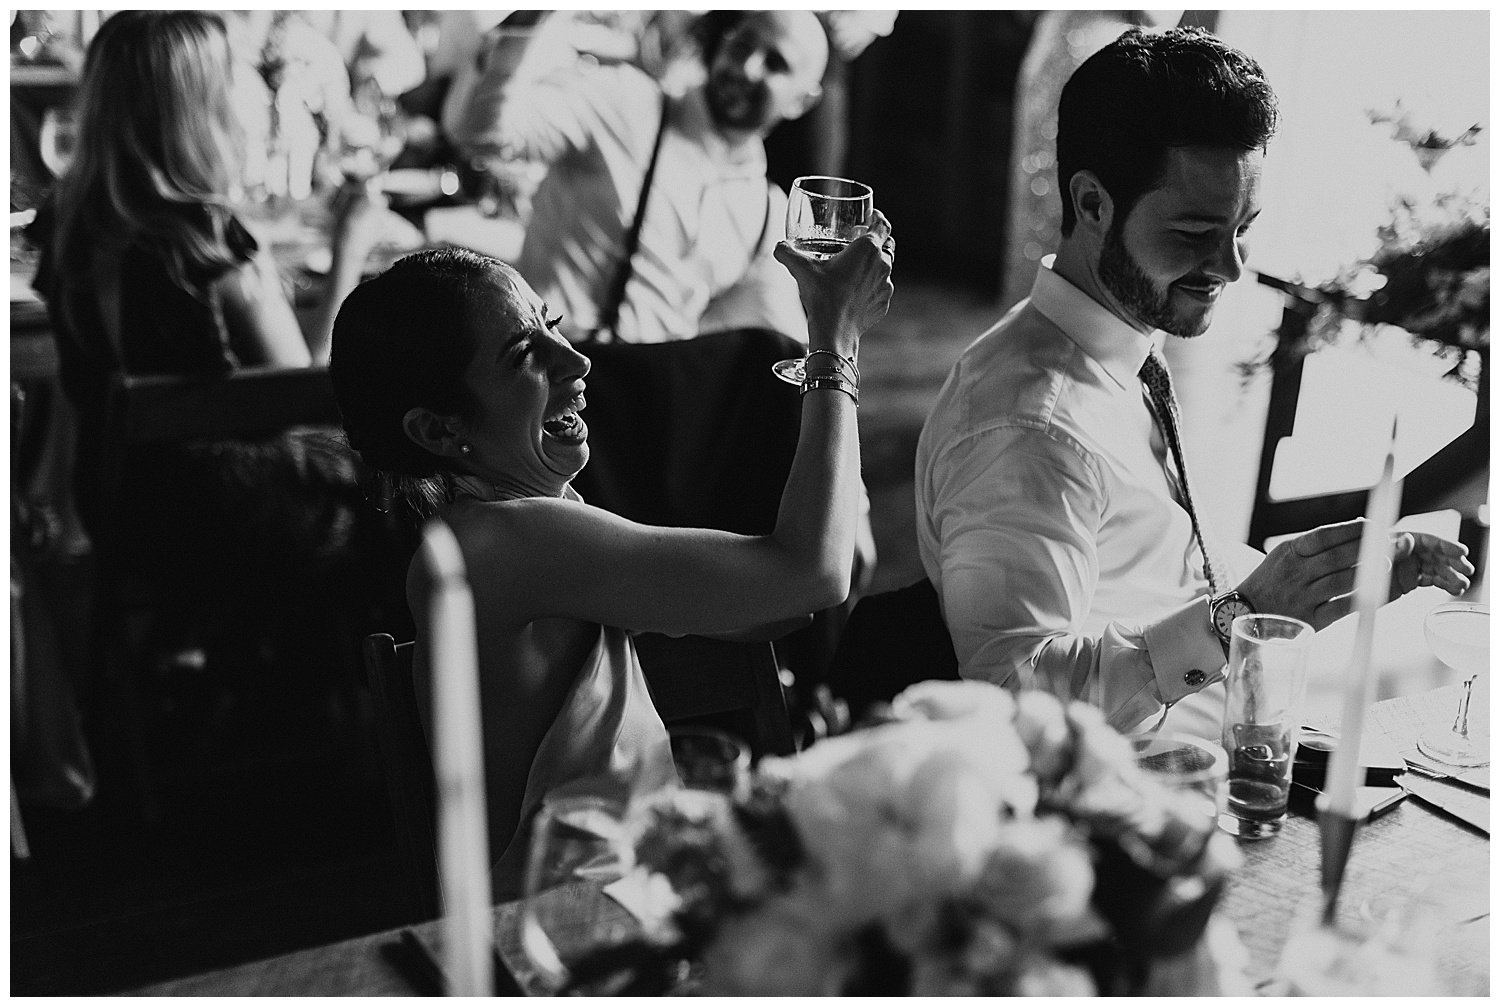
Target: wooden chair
{"points": [[691, 680], [737, 685], [892, 640], [143, 411], [1451, 478]]}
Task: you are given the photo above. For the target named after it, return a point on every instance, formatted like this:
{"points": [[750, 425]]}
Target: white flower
{"points": [[782, 949], [918, 804], [950, 700], [1038, 879], [1043, 729]]}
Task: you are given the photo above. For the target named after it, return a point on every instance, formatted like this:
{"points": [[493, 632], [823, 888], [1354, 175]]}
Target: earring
{"points": [[465, 449]]}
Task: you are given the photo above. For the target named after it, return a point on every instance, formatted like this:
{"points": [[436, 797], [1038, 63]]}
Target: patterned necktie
{"points": [[1164, 404]]}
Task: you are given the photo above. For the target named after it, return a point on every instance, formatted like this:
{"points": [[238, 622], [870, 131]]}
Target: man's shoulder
{"points": [[619, 82], [1023, 378], [1017, 365]]}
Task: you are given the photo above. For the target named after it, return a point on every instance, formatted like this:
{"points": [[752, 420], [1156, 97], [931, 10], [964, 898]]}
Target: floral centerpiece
{"points": [[975, 843]]}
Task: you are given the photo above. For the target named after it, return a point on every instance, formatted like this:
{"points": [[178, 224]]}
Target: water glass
{"points": [[576, 845], [1195, 770], [823, 213], [1264, 690], [709, 759]]}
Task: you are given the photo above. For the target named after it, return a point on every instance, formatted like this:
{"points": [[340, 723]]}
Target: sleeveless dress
{"points": [[607, 734]]}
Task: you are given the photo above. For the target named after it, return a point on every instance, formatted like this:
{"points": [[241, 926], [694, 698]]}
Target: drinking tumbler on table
{"points": [[1264, 689]]}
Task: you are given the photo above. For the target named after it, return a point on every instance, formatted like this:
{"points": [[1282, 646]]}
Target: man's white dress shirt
{"points": [[710, 225], [1049, 524]]}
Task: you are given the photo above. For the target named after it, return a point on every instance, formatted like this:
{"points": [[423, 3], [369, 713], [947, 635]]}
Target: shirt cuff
{"points": [[1185, 652]]}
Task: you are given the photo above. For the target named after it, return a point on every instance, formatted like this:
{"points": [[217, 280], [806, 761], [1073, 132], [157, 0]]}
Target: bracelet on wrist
{"points": [[833, 383], [841, 362]]}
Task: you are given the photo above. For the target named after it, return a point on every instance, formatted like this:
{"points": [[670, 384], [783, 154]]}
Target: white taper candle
{"points": [[1372, 586], [463, 841]]}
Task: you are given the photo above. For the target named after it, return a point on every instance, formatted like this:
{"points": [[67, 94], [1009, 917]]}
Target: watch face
{"points": [[1226, 612]]}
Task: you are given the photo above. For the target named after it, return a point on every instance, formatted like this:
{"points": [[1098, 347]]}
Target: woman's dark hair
{"points": [[1147, 92], [401, 340]]}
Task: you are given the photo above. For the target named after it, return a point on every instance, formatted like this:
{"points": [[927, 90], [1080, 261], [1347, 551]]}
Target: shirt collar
{"points": [[1117, 347]]}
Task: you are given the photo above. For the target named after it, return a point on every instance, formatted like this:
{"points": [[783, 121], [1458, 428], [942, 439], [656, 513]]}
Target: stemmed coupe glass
{"points": [[1458, 633], [823, 214]]}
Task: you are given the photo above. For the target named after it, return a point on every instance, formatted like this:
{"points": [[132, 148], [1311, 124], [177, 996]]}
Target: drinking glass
{"points": [[710, 759], [1193, 769], [823, 214], [1458, 633], [1264, 689], [58, 138], [576, 843], [372, 137]]}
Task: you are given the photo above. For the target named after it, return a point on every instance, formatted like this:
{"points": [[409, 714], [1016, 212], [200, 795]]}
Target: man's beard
{"points": [[1123, 277], [732, 113]]}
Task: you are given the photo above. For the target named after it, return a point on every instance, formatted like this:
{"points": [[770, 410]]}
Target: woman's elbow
{"points": [[831, 586]]}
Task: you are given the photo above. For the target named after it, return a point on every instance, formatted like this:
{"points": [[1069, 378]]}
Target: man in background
{"points": [[710, 219]]}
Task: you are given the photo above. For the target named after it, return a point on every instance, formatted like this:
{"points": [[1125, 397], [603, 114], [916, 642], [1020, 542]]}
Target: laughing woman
{"points": [[454, 381]]}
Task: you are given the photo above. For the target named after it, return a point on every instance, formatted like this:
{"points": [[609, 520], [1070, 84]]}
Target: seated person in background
{"points": [[453, 378], [146, 269], [1062, 540], [711, 219]]}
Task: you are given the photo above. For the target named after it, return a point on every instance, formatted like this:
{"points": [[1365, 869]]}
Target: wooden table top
{"points": [[1397, 855]]}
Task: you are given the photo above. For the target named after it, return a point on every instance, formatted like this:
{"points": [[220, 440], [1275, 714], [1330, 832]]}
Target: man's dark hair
{"points": [[1147, 92]]}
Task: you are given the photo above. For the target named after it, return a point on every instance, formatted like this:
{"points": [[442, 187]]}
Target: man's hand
{"points": [[1419, 559], [1309, 577]]}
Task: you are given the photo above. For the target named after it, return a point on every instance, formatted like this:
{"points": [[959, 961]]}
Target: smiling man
{"points": [[1054, 514], [711, 219]]}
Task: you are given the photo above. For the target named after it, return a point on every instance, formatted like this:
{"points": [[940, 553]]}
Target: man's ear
{"points": [[809, 98], [436, 433], [1092, 204]]}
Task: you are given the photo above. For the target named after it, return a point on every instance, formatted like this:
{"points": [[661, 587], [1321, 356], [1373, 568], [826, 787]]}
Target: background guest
{"points": [[711, 219], [146, 268]]}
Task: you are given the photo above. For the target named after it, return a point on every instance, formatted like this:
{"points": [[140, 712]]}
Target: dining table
{"points": [[1412, 849]]}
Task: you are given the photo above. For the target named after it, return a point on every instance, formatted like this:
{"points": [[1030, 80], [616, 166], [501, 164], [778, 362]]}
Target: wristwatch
{"points": [[1223, 609]]}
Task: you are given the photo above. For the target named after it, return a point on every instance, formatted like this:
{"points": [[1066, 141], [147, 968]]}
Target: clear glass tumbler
{"points": [[1264, 690]]}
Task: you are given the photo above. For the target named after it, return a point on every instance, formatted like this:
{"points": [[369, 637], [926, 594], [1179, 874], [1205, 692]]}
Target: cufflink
{"points": [[1195, 678]]}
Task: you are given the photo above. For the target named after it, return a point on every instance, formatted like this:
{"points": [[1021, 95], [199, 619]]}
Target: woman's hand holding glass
{"points": [[846, 294]]}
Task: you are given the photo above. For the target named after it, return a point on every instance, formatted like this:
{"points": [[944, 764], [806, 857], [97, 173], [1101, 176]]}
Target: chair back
{"points": [[247, 404], [892, 640], [250, 402], [406, 762], [692, 434], [733, 684], [146, 410]]}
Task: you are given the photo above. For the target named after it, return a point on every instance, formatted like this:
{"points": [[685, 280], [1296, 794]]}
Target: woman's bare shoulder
{"points": [[518, 533]]}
